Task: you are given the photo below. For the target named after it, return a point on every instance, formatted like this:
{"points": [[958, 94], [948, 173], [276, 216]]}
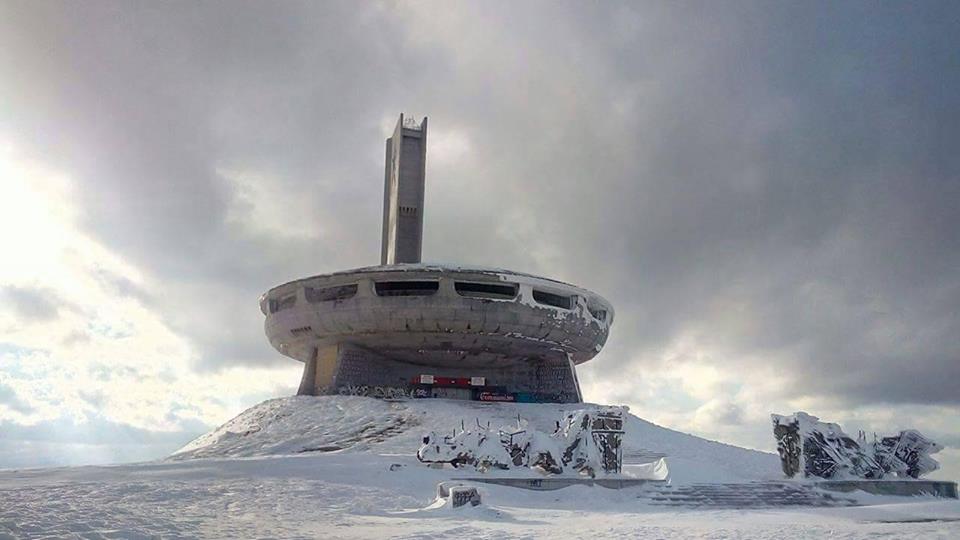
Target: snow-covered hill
{"points": [[304, 424]]}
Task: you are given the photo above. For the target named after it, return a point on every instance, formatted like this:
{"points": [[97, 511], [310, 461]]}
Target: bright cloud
{"points": [[102, 355]]}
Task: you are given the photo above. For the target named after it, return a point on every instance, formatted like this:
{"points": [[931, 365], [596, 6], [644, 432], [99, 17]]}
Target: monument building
{"points": [[406, 328]]}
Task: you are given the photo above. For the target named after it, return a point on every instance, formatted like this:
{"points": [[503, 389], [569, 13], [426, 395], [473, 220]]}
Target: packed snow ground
{"points": [[321, 468]]}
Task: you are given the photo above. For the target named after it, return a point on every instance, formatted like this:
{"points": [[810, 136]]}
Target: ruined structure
{"points": [[818, 449], [585, 443], [408, 329]]}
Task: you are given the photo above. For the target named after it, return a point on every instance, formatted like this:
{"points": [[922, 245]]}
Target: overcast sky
{"points": [[769, 194]]}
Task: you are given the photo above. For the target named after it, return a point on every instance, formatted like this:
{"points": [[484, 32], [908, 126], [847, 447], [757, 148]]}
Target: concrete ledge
{"points": [[907, 488], [442, 326], [551, 484]]}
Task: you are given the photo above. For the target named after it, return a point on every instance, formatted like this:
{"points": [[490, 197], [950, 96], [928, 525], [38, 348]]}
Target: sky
{"points": [[768, 193]]}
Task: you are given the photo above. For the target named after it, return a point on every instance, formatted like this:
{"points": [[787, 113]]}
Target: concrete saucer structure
{"points": [[410, 329]]}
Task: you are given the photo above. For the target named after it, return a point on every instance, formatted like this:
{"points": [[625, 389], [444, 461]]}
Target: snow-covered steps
{"points": [[906, 487], [658, 493], [553, 483], [745, 495]]}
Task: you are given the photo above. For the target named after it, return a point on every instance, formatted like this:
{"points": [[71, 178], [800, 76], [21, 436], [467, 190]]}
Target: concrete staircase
{"points": [[746, 495]]}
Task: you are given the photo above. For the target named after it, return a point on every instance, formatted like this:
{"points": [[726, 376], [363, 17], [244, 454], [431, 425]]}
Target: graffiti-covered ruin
{"points": [[818, 449], [584, 443]]}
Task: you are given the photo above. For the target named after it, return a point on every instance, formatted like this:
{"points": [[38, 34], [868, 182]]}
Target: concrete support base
{"points": [[550, 379], [348, 368], [319, 372], [308, 386]]}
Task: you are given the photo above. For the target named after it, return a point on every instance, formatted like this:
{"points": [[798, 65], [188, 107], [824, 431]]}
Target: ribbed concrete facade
{"points": [[387, 325]]}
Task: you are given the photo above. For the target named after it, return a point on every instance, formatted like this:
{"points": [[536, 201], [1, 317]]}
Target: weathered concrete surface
{"points": [[457, 494], [370, 336], [464, 495], [443, 489], [904, 488], [456, 329], [552, 378], [308, 386], [403, 193]]}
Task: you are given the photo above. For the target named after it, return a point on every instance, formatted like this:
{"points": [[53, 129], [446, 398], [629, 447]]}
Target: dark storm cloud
{"points": [[143, 111], [9, 397], [32, 304], [779, 181], [121, 286], [804, 183]]}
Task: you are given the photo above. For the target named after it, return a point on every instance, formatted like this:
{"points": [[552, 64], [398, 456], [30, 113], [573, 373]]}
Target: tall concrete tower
{"points": [[403, 188], [401, 329]]}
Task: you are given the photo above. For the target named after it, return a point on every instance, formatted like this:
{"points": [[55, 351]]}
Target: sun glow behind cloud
{"points": [[98, 354]]}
